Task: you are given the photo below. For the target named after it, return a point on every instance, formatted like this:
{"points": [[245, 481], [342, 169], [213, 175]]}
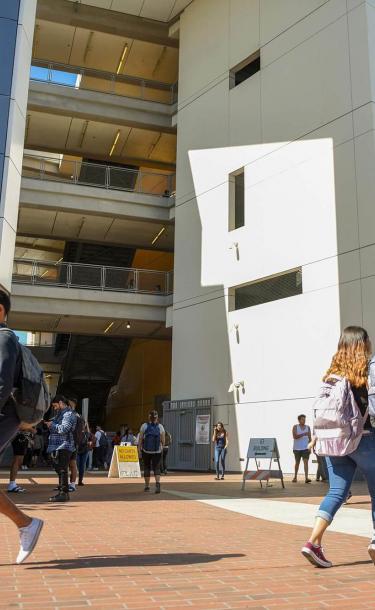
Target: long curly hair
{"points": [[352, 356]]}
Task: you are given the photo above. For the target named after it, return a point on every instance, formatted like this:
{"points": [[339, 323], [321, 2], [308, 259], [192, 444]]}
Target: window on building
{"points": [[245, 69], [236, 199], [281, 286]]}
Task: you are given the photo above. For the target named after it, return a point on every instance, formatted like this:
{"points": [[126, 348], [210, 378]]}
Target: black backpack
{"points": [[78, 431], [31, 397], [103, 441]]}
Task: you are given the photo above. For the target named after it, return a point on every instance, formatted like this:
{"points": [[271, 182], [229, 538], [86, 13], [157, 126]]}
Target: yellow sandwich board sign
{"points": [[124, 463]]}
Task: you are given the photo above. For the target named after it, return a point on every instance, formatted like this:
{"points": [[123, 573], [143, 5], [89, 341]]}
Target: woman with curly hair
{"points": [[350, 361]]}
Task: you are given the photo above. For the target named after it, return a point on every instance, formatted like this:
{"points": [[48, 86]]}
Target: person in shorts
{"points": [[150, 447], [19, 446], [10, 369], [302, 437]]}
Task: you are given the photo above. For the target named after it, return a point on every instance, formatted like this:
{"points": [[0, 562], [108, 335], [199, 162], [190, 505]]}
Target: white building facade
{"points": [[301, 128]]}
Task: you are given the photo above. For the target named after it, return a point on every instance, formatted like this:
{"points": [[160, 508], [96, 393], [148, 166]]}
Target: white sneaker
{"points": [[28, 538]]}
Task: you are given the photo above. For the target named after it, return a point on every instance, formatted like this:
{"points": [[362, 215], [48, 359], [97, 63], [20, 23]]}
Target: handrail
{"points": [[94, 277], [118, 84], [99, 175]]}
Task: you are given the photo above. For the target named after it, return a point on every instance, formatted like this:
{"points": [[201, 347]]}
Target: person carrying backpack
{"points": [[150, 447], [343, 434], [11, 369], [100, 449], [166, 446], [83, 443]]}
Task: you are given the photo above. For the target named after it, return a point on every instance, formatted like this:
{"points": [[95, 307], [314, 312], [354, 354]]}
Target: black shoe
{"points": [[157, 490], [61, 497], [222, 478], [147, 488], [80, 483]]}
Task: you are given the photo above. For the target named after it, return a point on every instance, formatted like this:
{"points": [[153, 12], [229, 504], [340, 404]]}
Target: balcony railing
{"points": [[97, 174], [105, 82], [94, 277]]}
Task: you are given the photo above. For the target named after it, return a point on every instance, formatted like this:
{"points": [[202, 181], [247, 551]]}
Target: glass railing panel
{"points": [[86, 276], [92, 174], [119, 279], [106, 82]]}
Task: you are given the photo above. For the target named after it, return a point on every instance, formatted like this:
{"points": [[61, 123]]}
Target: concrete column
{"points": [[17, 18]]}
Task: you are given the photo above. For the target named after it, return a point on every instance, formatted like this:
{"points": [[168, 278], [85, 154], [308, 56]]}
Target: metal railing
{"points": [[94, 277], [100, 175], [92, 79]]}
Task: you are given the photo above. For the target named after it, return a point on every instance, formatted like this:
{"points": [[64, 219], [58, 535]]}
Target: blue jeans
{"points": [[341, 472], [220, 453], [81, 464]]}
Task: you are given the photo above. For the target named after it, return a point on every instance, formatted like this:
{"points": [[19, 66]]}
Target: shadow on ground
{"points": [[118, 561]]}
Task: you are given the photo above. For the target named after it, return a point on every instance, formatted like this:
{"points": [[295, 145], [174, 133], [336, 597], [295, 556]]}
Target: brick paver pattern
{"points": [[114, 546]]}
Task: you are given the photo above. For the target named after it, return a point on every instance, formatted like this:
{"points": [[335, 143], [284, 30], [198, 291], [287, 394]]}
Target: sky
{"points": [[55, 76], [22, 336]]}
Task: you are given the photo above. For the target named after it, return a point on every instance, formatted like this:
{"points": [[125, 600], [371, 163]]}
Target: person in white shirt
{"points": [[302, 437], [100, 448]]}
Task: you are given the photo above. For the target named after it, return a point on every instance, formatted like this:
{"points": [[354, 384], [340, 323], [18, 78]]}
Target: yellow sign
{"points": [[125, 463], [127, 454]]}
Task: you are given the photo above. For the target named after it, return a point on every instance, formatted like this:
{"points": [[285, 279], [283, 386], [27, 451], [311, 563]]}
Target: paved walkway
{"points": [[113, 546]]}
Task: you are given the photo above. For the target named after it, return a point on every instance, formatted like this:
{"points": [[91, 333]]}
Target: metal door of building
{"points": [[179, 418]]}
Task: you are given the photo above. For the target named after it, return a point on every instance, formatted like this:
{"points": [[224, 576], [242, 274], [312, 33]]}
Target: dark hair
{"points": [[5, 301], [153, 415], [302, 415], [73, 399], [59, 398], [222, 429]]}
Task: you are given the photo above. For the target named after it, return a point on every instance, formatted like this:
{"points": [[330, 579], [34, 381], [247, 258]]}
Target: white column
{"points": [[17, 19]]}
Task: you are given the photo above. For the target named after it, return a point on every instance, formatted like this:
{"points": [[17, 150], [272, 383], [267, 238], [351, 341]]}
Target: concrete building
{"points": [[268, 226]]}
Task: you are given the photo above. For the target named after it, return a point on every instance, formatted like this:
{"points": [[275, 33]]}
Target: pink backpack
{"points": [[338, 422]]}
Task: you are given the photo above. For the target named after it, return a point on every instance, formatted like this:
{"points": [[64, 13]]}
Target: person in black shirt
{"points": [[10, 368]]}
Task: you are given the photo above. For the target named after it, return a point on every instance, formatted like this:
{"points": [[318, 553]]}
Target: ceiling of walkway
{"points": [[91, 139], [76, 46], [87, 326], [101, 229], [160, 10]]}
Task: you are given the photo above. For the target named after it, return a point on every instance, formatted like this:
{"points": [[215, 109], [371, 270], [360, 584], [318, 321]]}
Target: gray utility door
{"points": [[179, 418]]}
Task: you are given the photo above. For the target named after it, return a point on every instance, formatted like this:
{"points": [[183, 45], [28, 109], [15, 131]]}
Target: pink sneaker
{"points": [[315, 554]]}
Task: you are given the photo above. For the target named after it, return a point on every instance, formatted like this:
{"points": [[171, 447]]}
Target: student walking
{"points": [[220, 440], [82, 453], [168, 443], [343, 433], [302, 436], [10, 368], [61, 444], [150, 447], [19, 446]]}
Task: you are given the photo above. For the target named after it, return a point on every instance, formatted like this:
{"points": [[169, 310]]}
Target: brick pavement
{"points": [[115, 547]]}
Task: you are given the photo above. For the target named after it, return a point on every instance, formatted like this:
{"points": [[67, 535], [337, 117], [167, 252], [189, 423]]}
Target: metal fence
{"points": [[106, 82], [95, 277], [98, 174]]}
